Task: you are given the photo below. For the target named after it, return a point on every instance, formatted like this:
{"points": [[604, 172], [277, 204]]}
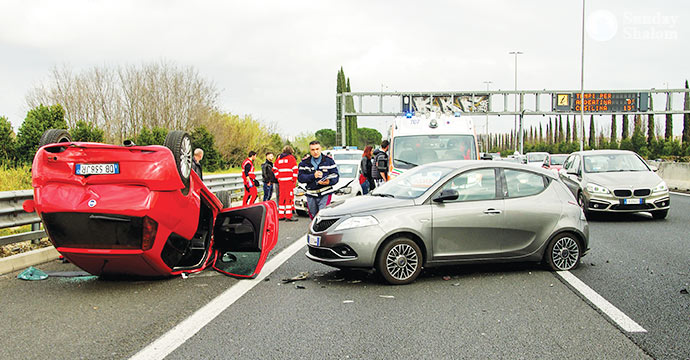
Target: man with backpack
{"points": [[379, 170]]}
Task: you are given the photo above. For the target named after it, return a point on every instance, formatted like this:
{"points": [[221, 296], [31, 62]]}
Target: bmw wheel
{"points": [[400, 261], [180, 144], [563, 253]]}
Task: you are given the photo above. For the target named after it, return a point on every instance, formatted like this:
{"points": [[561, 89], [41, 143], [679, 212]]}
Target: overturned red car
{"points": [[140, 210]]}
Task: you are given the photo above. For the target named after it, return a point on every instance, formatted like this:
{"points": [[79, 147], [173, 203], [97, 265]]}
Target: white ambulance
{"points": [[430, 137]]}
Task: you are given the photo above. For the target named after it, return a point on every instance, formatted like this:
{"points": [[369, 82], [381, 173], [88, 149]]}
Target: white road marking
{"points": [[677, 193], [602, 304], [171, 340]]}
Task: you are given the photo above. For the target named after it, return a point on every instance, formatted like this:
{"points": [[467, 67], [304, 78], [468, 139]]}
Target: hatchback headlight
{"points": [[597, 189], [356, 221], [660, 188]]}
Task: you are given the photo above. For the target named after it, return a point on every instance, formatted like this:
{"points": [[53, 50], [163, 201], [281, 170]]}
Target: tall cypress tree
{"points": [[650, 124], [625, 127], [567, 128], [575, 134], [686, 120], [541, 133], [549, 132], [668, 133], [592, 136], [339, 88], [350, 121], [614, 132], [560, 129]]}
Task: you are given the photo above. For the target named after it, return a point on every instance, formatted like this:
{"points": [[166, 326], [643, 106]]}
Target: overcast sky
{"points": [[278, 60]]}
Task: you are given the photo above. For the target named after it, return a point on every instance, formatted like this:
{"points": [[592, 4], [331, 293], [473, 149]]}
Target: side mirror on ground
{"points": [[487, 157], [446, 195]]}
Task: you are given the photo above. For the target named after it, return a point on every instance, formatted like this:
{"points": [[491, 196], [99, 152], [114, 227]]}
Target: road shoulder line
{"points": [[617, 316], [176, 336], [677, 193]]}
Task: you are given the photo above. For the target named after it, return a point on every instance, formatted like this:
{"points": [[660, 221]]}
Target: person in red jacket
{"points": [[249, 179], [285, 169]]}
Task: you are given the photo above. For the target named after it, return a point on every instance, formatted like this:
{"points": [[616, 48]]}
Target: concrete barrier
{"points": [[676, 175], [24, 260]]}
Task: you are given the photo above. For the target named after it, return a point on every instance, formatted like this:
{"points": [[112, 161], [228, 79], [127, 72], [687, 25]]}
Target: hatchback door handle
{"points": [[492, 212]]}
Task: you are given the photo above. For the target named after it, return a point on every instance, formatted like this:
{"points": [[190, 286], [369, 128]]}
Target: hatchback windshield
{"points": [[410, 151], [558, 159], [412, 184], [614, 163]]}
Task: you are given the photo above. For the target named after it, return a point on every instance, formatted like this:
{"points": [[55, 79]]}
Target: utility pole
{"points": [[582, 83], [516, 53]]}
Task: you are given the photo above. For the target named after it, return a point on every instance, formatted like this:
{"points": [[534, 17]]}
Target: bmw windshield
{"points": [[614, 163], [412, 184]]}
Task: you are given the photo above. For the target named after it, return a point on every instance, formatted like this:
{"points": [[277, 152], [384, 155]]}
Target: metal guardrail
{"points": [[12, 214]]}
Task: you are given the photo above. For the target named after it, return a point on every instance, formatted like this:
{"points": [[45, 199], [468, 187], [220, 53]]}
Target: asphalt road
{"points": [[497, 311]]}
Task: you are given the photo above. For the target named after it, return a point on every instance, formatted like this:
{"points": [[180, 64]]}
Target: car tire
{"points": [[399, 261], [660, 214], [583, 204], [224, 197], [54, 136], [180, 144], [563, 253]]}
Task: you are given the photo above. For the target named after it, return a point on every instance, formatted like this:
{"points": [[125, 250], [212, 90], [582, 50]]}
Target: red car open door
{"points": [[243, 237]]}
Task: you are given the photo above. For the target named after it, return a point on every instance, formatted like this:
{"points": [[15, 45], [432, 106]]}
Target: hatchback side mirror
{"points": [[446, 195]]}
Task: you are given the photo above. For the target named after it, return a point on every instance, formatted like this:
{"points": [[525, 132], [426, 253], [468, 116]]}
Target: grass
{"points": [[17, 178], [226, 171]]}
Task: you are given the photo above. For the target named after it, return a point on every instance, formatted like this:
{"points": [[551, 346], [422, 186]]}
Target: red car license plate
{"points": [[97, 169]]}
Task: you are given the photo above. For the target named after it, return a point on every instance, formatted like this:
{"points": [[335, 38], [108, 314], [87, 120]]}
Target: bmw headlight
{"points": [[597, 189], [357, 221], [660, 188]]}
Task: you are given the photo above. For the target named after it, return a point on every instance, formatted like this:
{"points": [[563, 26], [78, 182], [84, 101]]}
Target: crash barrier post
{"points": [[676, 175], [12, 214]]}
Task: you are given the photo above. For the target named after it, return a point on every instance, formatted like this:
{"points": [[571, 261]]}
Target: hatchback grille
{"points": [[323, 224], [642, 192], [322, 253], [622, 193]]}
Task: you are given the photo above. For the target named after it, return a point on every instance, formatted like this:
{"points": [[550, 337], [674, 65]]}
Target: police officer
{"points": [[320, 173]]}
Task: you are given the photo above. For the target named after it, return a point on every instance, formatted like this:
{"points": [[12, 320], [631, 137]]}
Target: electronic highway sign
{"points": [[601, 102]]}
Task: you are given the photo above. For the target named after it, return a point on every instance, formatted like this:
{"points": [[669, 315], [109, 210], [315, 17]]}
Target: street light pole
{"points": [[582, 83], [516, 53], [486, 141]]}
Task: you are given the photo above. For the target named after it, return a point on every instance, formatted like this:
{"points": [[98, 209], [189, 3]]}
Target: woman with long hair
{"points": [[365, 177]]}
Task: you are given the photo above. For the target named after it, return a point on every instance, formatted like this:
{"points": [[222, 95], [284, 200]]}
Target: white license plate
{"points": [[97, 169], [313, 240], [633, 201]]}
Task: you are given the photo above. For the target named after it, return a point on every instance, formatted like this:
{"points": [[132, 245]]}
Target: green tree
{"points": [[37, 121], [86, 132], [7, 142], [576, 136], [668, 133], [204, 140], [592, 131], [567, 128], [350, 121], [326, 137], [625, 127], [614, 133], [686, 120], [154, 136], [368, 136], [639, 145], [650, 124]]}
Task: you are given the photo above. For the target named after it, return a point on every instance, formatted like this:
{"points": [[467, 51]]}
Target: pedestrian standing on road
{"points": [[365, 178], [196, 162], [249, 179], [319, 173], [286, 172], [379, 170], [268, 177]]}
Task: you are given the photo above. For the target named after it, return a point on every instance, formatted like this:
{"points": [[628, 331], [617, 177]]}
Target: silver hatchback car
{"points": [[450, 213]]}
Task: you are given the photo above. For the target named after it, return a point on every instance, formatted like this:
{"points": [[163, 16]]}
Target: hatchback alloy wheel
{"points": [[400, 261], [563, 253]]}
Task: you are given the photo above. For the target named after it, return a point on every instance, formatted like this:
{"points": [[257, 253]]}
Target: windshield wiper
{"points": [[405, 162], [383, 195]]}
